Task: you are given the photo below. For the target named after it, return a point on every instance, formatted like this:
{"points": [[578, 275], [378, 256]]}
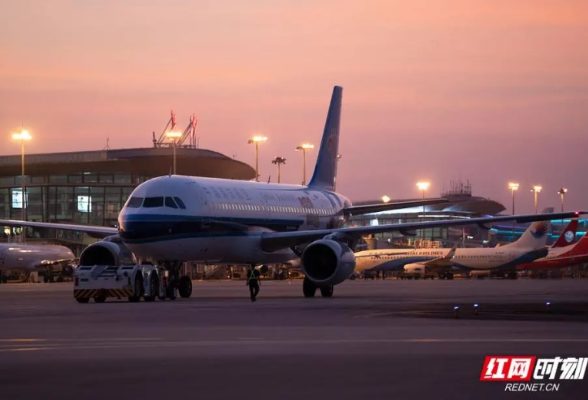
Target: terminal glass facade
{"points": [[85, 198]]}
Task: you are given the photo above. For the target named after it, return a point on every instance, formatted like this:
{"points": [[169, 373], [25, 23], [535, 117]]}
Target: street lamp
{"points": [[255, 140], [561, 193], [513, 187], [423, 186], [303, 148], [174, 136], [23, 136], [279, 161], [385, 198], [536, 189]]}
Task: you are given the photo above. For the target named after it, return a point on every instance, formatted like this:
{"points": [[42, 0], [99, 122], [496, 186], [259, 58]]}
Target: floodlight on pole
{"points": [[255, 140], [513, 186], [562, 191], [303, 147], [174, 136], [23, 136], [423, 186], [536, 190], [385, 198]]}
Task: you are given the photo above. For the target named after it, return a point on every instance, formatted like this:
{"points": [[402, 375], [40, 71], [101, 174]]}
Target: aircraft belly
{"points": [[215, 250]]}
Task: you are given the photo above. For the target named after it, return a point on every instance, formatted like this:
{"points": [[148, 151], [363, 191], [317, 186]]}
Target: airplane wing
{"points": [[372, 208], [92, 229], [272, 241], [442, 261]]}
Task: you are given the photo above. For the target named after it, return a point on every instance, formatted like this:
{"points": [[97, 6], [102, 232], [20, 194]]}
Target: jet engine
{"points": [[327, 262], [416, 269], [110, 251]]}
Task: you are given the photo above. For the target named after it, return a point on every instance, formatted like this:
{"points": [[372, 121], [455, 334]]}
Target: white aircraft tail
{"points": [[535, 237]]}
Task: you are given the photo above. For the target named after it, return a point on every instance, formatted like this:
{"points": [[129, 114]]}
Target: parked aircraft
{"points": [[172, 219], [31, 257]]}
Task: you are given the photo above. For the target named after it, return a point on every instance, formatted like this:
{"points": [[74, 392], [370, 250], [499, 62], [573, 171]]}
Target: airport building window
{"points": [[74, 178], [122, 178], [106, 178], [7, 181], [18, 180], [58, 179]]}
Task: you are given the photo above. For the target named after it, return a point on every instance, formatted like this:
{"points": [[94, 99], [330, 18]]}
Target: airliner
{"points": [[442, 261], [173, 219], [570, 255], [28, 258]]}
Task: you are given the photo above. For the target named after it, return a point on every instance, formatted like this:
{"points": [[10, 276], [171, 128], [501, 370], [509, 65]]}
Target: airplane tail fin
{"points": [[535, 237], [325, 171], [568, 235], [581, 247]]}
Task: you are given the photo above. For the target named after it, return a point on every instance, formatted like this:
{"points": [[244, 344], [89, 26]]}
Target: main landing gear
{"points": [[309, 289], [173, 284]]}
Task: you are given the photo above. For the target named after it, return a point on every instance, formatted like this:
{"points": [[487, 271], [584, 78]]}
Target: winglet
{"points": [[325, 171]]}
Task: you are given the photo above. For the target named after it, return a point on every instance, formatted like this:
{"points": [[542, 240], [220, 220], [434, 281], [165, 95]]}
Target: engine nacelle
{"points": [[110, 251], [416, 269], [327, 262]]}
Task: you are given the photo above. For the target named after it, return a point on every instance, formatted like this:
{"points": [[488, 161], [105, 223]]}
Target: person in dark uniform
{"points": [[253, 282]]}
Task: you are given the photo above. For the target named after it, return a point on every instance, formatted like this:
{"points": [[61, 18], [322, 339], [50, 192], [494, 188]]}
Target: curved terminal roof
{"points": [[154, 161], [457, 204]]}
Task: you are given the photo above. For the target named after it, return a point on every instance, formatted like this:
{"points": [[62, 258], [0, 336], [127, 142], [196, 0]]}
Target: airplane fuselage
{"points": [[28, 257], [504, 257], [559, 257], [220, 221], [395, 259]]}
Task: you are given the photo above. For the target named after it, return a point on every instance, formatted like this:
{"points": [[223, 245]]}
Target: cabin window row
{"points": [[267, 208]]}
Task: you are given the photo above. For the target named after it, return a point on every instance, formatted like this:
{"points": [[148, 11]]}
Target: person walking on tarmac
{"points": [[253, 282]]}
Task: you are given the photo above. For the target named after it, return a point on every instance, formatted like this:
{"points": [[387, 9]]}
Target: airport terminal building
{"points": [[90, 187]]}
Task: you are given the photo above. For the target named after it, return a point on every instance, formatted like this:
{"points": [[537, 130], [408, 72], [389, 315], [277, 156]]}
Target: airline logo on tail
{"points": [[539, 229], [331, 140], [569, 236]]}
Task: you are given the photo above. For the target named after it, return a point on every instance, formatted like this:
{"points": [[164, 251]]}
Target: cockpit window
{"points": [[152, 202], [180, 202], [169, 202], [135, 202]]}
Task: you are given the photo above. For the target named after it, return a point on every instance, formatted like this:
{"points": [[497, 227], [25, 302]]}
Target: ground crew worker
{"points": [[253, 282]]}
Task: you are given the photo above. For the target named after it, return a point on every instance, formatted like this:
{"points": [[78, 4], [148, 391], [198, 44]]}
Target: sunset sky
{"points": [[489, 90]]}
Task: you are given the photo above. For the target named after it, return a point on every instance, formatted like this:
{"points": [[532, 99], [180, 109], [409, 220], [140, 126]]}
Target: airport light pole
{"points": [[562, 191], [255, 140], [279, 161], [23, 136], [174, 136], [303, 147], [536, 189], [513, 188], [423, 186]]}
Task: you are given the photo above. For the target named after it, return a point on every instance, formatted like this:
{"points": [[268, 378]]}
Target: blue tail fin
{"points": [[325, 171]]}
